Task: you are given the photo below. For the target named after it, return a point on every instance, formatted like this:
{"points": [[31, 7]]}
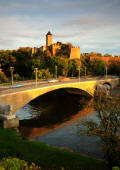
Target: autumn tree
{"points": [[3, 77], [108, 128]]}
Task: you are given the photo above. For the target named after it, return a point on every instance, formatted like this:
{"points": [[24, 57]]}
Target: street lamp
{"points": [[56, 71], [79, 69], [85, 72], [36, 71], [11, 70], [79, 73], [106, 69]]}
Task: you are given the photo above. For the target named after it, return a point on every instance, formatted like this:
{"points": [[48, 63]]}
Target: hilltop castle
{"points": [[54, 48]]}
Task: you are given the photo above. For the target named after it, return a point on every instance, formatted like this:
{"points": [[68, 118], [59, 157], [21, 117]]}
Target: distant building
{"points": [[107, 59], [74, 52], [55, 48], [49, 39], [43, 48], [34, 50]]}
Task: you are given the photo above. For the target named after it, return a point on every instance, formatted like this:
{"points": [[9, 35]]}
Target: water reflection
{"points": [[51, 110], [55, 120]]}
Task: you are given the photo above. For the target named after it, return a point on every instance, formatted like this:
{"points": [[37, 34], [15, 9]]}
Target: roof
{"points": [[49, 33]]}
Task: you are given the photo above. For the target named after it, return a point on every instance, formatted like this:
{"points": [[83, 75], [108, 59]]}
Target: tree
{"points": [[62, 64], [108, 129], [44, 74], [3, 77], [107, 55], [97, 66], [114, 66], [23, 64]]}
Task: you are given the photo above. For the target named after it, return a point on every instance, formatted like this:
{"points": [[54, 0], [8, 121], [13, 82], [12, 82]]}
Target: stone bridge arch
{"points": [[20, 98], [108, 83]]}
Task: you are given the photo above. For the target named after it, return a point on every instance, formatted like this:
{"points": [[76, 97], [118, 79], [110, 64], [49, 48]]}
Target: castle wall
{"points": [[55, 48], [75, 53], [34, 50], [43, 48]]}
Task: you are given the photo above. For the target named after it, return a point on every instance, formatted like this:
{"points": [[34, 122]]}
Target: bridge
{"points": [[18, 97]]}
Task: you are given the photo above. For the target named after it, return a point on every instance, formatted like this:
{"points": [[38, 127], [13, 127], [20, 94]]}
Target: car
{"points": [[53, 81], [65, 79], [17, 85]]}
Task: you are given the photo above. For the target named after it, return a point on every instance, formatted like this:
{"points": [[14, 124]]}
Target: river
{"points": [[55, 119]]}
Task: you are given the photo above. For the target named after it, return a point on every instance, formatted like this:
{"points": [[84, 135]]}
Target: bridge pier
{"points": [[7, 120]]}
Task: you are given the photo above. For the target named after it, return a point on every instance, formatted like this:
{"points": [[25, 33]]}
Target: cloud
{"points": [[91, 24], [16, 31], [83, 23], [69, 35]]}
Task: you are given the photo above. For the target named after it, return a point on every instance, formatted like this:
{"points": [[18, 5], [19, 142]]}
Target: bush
{"points": [[16, 164], [115, 168]]}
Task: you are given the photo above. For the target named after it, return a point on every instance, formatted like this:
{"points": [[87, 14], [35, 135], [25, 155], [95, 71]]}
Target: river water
{"points": [[55, 119]]}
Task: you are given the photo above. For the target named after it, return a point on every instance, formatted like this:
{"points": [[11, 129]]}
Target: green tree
{"points": [[62, 65], [114, 66], [97, 67], [73, 67], [107, 55], [23, 64], [44, 74]]}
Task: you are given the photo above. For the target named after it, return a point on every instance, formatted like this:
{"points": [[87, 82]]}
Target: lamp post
{"points": [[79, 70], [0, 68], [36, 71], [106, 69], [85, 72], [56, 71], [79, 73], [11, 70]]}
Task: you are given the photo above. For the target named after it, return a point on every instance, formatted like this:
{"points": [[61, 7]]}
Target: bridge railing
{"points": [[27, 82]]}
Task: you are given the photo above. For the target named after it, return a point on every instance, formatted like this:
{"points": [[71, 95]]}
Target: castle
{"points": [[54, 48]]}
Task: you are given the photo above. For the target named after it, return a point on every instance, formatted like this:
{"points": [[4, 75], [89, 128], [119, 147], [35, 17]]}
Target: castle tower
{"points": [[48, 39], [75, 53]]}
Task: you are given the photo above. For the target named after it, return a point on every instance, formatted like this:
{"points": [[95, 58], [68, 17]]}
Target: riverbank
{"points": [[43, 155]]}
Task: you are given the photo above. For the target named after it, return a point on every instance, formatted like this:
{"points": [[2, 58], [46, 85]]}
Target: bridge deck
{"points": [[29, 86]]}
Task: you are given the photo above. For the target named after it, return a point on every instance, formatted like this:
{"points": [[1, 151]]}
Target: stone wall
{"points": [[34, 50], [43, 48], [75, 53], [55, 48]]}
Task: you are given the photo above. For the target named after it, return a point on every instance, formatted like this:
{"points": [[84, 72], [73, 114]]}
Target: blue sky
{"points": [[94, 25]]}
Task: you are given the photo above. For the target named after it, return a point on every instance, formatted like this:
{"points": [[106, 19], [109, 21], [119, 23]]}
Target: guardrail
{"points": [[8, 84]]}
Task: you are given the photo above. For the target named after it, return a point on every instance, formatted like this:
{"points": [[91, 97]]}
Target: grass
{"points": [[43, 155]]}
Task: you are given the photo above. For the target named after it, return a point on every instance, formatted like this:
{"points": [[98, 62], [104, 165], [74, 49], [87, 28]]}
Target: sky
{"points": [[94, 25]]}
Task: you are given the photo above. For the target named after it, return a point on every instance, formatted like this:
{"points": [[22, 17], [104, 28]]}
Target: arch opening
{"points": [[56, 107], [107, 83]]}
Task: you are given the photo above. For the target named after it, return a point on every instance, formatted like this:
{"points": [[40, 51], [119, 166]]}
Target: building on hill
{"points": [[34, 50], [75, 53], [43, 48], [54, 48], [49, 39], [107, 59]]}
